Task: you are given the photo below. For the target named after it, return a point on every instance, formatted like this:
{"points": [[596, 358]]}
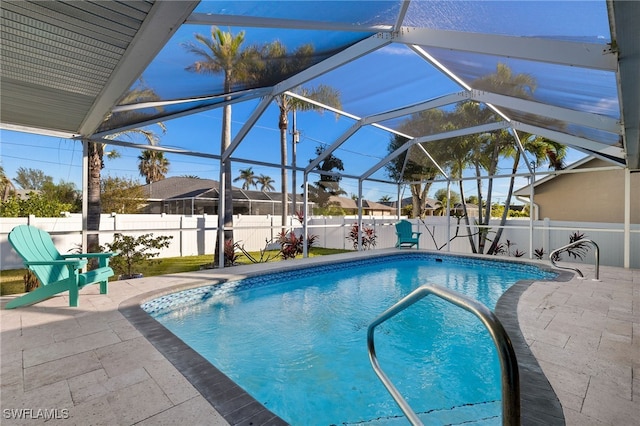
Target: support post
{"points": [[627, 218]]}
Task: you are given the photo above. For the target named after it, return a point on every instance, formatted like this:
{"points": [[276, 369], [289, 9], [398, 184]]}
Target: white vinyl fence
{"points": [[195, 235]]}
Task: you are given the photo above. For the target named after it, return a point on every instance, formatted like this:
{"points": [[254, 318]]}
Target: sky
{"points": [[388, 79]]}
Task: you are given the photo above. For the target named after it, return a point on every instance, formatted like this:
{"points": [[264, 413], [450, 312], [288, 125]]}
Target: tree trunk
{"points": [[225, 142], [466, 219], [416, 200], [96, 152], [507, 204], [493, 165]]}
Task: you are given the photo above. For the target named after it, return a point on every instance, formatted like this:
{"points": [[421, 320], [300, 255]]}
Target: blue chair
{"points": [[56, 272], [406, 236]]}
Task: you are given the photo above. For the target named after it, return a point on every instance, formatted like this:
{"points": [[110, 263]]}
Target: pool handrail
{"points": [[553, 254], [508, 363]]}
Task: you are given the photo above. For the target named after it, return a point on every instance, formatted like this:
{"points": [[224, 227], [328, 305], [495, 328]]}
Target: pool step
{"points": [[478, 414]]}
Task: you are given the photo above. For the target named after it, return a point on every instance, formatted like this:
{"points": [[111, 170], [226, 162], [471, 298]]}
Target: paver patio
{"points": [[90, 365]]}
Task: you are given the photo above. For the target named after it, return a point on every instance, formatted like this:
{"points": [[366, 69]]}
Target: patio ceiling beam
{"points": [[345, 56], [179, 151], [346, 135], [625, 31], [586, 145], [345, 114], [162, 21], [422, 106], [247, 126], [446, 71], [584, 55], [246, 94], [296, 24], [431, 138], [596, 121], [255, 93], [401, 15]]}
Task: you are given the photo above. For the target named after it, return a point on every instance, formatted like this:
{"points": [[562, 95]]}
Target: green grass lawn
{"points": [[12, 282]]}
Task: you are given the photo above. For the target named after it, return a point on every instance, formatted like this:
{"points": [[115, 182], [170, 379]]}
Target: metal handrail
{"points": [[553, 254], [506, 354]]}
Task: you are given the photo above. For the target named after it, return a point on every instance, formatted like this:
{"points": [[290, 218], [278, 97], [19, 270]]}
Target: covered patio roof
{"points": [[67, 65]]}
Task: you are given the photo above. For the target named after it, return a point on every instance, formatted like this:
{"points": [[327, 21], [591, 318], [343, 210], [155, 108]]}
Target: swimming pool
{"points": [[314, 367]]}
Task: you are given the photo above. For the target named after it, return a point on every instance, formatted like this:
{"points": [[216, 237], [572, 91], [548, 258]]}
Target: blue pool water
{"points": [[296, 341]]}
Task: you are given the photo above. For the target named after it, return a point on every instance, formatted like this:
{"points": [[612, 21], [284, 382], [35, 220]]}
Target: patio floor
{"points": [[90, 365]]}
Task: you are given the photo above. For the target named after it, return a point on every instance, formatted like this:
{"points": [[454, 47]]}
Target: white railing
{"points": [[195, 235]]}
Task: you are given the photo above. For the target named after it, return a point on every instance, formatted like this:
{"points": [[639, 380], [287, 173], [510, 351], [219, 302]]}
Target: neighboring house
{"points": [[432, 207], [350, 207], [595, 196], [185, 195]]}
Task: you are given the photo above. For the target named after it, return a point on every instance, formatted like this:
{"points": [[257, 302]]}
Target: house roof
{"points": [[349, 203], [179, 188], [583, 163]]}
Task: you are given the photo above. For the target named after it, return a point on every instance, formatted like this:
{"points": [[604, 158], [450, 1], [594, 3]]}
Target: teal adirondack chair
{"points": [[56, 272], [406, 236]]}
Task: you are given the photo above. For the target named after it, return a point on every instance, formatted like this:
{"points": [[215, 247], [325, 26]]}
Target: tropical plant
{"points": [[248, 177], [230, 253], [266, 183], [292, 245], [502, 144], [368, 237], [539, 253], [222, 53], [153, 165], [445, 198], [133, 251], [329, 183], [384, 199]]}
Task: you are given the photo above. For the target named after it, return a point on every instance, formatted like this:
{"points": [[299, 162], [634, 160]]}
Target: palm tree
{"points": [[97, 152], [266, 183], [444, 199], [221, 53], [502, 144], [153, 165], [543, 151], [279, 63], [248, 177], [288, 104], [329, 184], [6, 186], [413, 166]]}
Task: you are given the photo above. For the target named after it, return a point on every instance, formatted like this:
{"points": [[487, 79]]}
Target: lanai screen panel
{"points": [[178, 82], [389, 78], [357, 13], [577, 20]]}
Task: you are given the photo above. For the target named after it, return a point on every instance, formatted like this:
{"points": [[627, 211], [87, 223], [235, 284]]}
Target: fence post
{"points": [[546, 234], [182, 234]]}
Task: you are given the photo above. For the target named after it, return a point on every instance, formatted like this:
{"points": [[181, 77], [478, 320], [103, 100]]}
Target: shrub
{"points": [[134, 250], [292, 245], [30, 281], [230, 254], [368, 237]]}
